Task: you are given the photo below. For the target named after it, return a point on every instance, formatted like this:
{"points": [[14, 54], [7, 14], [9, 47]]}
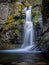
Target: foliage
{"points": [[27, 3], [12, 29], [35, 18], [17, 32], [35, 13], [8, 22]]}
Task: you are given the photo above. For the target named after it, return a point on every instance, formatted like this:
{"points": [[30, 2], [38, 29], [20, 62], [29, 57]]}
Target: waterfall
{"points": [[28, 29], [28, 41]]}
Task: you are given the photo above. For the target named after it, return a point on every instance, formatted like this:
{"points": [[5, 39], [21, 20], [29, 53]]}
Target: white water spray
{"points": [[28, 42]]}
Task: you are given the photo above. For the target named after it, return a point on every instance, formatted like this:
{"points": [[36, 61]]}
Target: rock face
{"points": [[45, 42], [45, 39], [4, 11], [12, 24], [45, 11], [10, 29]]}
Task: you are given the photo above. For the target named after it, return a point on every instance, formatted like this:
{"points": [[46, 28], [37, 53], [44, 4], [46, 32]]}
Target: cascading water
{"points": [[28, 42], [28, 30]]}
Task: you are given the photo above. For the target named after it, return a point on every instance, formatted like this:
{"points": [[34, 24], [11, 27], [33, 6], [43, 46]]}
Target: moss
{"points": [[18, 8], [14, 0], [40, 1], [17, 31], [26, 3], [35, 12], [35, 18], [8, 21]]}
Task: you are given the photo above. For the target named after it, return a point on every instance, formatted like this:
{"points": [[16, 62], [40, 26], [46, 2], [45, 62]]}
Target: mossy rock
{"points": [[8, 21], [18, 8], [27, 3]]}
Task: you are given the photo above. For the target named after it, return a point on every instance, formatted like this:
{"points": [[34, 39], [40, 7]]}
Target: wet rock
{"points": [[13, 63], [23, 63], [43, 42]]}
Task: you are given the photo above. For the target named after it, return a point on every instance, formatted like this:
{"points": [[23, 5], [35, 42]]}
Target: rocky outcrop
{"points": [[12, 24], [10, 28]]}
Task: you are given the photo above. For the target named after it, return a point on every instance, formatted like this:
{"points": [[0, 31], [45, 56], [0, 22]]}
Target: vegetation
{"points": [[11, 31], [11, 35], [12, 20]]}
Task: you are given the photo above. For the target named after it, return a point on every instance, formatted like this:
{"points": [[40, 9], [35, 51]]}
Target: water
{"points": [[25, 53], [28, 41], [28, 30]]}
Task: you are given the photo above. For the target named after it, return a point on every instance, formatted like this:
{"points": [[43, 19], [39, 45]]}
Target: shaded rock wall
{"points": [[10, 28], [45, 11], [12, 23]]}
